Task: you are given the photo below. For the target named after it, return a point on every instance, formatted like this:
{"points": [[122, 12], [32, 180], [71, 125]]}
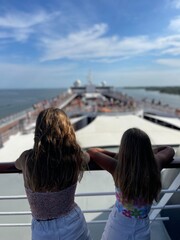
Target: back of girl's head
{"points": [[56, 160], [137, 174], [52, 125]]}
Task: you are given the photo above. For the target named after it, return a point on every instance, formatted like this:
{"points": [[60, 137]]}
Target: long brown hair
{"points": [[56, 159], [137, 174]]}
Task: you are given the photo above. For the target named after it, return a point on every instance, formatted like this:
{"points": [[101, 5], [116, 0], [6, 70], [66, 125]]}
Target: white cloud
{"points": [[39, 76], [92, 44], [169, 45], [170, 62], [140, 77], [19, 25], [175, 3], [95, 45], [175, 24], [23, 20]]}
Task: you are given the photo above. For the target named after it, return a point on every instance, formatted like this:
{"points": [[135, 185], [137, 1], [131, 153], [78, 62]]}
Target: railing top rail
{"points": [[9, 167]]}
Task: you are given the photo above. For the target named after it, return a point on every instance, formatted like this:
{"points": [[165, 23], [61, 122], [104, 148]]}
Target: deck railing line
{"points": [[154, 214], [89, 194], [8, 167], [89, 211], [89, 222]]}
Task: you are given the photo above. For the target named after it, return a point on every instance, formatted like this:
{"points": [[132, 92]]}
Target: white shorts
{"points": [[69, 227], [120, 227]]}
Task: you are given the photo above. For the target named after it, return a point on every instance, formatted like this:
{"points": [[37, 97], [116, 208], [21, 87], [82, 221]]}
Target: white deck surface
{"points": [[103, 131], [108, 130]]}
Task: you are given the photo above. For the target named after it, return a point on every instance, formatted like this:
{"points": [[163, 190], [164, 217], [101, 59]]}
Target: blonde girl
{"points": [[51, 170]]}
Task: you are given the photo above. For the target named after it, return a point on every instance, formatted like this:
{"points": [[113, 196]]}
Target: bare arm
{"points": [[106, 152], [103, 158], [163, 155], [20, 162]]}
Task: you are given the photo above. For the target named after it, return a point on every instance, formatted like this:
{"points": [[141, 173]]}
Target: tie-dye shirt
{"points": [[135, 209]]}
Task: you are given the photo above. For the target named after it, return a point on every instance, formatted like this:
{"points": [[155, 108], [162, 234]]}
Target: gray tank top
{"points": [[50, 205]]}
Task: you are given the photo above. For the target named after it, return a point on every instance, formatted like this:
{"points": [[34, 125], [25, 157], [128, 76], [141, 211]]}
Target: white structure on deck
{"points": [[108, 130], [166, 120]]}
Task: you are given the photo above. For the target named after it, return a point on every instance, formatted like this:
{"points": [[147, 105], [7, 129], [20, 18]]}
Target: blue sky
{"points": [[125, 43]]}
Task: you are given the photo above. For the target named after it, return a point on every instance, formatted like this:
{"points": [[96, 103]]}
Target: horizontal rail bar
{"points": [[104, 221], [90, 211], [15, 225], [173, 206], [9, 167], [95, 194], [170, 191], [88, 194], [89, 222], [15, 213], [18, 197], [77, 195]]}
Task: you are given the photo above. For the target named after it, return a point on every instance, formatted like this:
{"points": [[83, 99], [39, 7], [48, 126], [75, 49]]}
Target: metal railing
{"points": [[155, 210]]}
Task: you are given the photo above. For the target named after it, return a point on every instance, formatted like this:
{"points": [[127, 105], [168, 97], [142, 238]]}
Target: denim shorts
{"points": [[120, 227], [69, 227]]}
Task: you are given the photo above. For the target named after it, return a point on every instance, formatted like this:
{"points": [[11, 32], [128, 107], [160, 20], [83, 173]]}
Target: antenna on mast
{"points": [[89, 77]]}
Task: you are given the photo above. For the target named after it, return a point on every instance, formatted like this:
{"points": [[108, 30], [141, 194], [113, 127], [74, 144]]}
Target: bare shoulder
{"points": [[20, 162]]}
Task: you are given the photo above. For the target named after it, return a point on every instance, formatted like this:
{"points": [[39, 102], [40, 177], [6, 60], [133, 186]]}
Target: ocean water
{"points": [[13, 101], [171, 99], [17, 100]]}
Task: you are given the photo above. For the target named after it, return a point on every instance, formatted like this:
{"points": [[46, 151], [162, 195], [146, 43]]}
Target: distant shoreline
{"points": [[170, 90]]}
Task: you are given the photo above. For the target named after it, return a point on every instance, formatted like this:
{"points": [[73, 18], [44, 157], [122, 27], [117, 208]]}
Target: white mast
{"points": [[89, 77]]}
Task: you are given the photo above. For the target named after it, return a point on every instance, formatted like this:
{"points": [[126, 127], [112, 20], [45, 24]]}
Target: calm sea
{"points": [[171, 99], [13, 101]]}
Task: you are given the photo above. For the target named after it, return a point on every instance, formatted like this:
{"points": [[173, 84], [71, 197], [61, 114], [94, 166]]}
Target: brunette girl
{"points": [[136, 173]]}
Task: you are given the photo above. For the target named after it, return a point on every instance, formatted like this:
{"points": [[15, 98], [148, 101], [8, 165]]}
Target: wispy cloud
{"points": [[175, 24], [32, 75], [170, 62], [95, 44], [175, 3], [22, 20], [19, 26], [89, 42]]}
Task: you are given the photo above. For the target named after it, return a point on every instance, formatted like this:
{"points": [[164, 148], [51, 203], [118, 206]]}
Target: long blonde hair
{"points": [[137, 173], [56, 159]]}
